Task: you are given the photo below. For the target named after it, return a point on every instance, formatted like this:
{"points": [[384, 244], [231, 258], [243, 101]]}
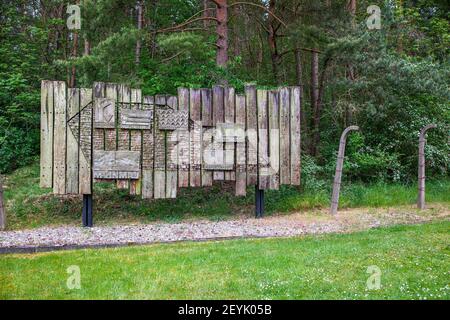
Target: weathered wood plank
{"points": [[252, 135], [47, 114], [148, 153], [263, 141], [85, 173], [241, 169], [136, 140], [59, 143], [207, 122], [183, 142], [73, 109], [172, 155], [99, 134], [285, 137], [295, 136], [229, 101], [218, 117], [195, 138], [123, 139], [274, 140], [160, 156], [111, 134]]}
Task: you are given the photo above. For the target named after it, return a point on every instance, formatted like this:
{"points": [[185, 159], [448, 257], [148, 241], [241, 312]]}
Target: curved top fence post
{"points": [[339, 166], [421, 174]]}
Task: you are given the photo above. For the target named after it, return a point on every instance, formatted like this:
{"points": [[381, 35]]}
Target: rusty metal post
{"points": [[339, 166], [421, 175]]}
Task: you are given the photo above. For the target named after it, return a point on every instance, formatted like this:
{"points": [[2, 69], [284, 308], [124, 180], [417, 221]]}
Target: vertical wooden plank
{"points": [[148, 153], [229, 101], [274, 140], [295, 136], [183, 142], [218, 117], [59, 143], [160, 155], [252, 135], [207, 122], [172, 155], [285, 163], [241, 175], [111, 134], [136, 141], [86, 114], [99, 134], [263, 141], [73, 109], [123, 139], [195, 138], [47, 113]]}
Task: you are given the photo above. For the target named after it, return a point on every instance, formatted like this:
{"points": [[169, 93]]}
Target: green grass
{"points": [[28, 206], [414, 263]]}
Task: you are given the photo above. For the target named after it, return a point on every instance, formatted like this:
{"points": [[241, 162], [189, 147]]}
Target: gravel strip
{"points": [[281, 226], [139, 234]]}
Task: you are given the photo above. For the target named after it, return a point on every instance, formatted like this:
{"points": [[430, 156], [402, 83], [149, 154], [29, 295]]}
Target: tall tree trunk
{"points": [[299, 82], [351, 7], [2, 208], [319, 105], [314, 98], [139, 27], [237, 39], [87, 47], [222, 33], [272, 39], [206, 13]]}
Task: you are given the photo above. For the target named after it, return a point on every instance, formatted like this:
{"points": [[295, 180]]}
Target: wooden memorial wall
{"points": [[153, 145]]}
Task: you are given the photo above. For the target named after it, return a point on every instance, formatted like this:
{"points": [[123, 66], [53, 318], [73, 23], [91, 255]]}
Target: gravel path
{"points": [[278, 226]]}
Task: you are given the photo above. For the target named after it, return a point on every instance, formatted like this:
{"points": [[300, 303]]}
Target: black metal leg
{"points": [[87, 210], [259, 202]]}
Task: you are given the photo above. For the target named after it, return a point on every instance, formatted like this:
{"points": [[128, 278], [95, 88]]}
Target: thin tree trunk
{"points": [[205, 13], [314, 97], [222, 33], [2, 208], [351, 7], [87, 47], [299, 81], [237, 39], [139, 27], [273, 45]]}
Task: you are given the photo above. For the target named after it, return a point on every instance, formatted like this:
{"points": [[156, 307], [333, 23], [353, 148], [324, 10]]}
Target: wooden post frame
{"points": [[421, 173], [339, 166], [154, 145]]}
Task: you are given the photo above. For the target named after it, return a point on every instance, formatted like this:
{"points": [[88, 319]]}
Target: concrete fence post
{"points": [[421, 175], [2, 208], [339, 166]]}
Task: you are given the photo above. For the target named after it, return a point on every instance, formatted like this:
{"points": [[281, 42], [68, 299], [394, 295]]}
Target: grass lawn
{"points": [[414, 263], [28, 206]]}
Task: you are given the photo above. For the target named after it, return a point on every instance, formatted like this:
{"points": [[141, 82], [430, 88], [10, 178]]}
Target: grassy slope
{"points": [[29, 206], [414, 261]]}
